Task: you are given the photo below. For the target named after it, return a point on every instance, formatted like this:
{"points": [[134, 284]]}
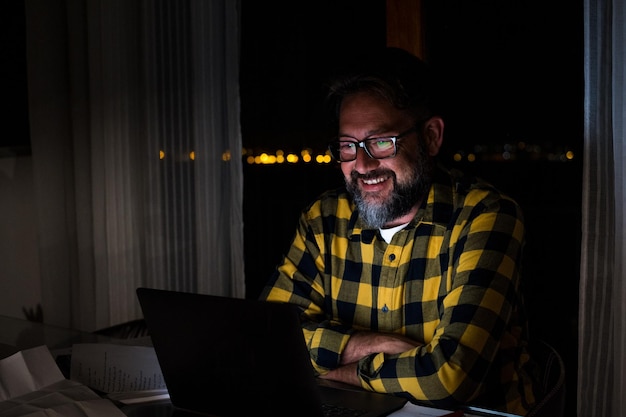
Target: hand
{"points": [[362, 344]]}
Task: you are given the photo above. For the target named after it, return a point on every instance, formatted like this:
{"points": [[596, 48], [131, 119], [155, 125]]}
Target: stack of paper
{"points": [[32, 385]]}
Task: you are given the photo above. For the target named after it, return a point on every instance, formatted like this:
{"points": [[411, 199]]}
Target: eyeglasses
{"points": [[377, 148]]}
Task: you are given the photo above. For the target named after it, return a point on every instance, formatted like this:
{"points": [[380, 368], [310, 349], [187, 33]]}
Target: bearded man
{"points": [[408, 278]]}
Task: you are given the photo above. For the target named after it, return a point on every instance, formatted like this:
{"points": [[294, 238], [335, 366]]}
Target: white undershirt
{"points": [[387, 234]]}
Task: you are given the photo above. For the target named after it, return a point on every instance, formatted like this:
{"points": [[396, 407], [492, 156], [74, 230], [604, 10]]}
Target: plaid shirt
{"points": [[449, 280]]}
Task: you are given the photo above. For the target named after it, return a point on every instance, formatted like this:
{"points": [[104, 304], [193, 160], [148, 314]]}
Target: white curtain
{"points": [[134, 112], [602, 318]]}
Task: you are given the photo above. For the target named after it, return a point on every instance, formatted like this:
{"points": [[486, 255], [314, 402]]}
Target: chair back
{"points": [[551, 379]]}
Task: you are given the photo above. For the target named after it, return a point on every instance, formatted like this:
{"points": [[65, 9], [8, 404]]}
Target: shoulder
{"points": [[472, 195], [465, 183]]}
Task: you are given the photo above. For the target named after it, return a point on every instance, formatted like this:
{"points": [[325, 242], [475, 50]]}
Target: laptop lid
{"points": [[225, 356]]}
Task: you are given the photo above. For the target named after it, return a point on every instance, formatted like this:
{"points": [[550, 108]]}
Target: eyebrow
{"points": [[375, 134]]}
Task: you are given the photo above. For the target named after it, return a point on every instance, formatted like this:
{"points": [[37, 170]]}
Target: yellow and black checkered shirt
{"points": [[449, 280]]}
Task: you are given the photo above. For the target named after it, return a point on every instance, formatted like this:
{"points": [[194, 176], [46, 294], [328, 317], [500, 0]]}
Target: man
{"points": [[408, 279]]}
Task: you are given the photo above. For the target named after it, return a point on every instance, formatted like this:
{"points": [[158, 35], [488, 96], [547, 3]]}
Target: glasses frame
{"points": [[334, 151]]}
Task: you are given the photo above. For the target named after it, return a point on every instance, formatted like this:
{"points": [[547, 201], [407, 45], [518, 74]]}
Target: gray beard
{"points": [[403, 197]]}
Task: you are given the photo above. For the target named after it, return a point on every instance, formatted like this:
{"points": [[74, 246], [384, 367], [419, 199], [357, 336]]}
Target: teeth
{"points": [[373, 181]]}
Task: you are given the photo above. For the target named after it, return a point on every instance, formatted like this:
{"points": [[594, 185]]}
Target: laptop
{"points": [[224, 357]]}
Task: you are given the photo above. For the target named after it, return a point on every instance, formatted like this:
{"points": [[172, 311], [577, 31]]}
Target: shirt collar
{"points": [[436, 209]]}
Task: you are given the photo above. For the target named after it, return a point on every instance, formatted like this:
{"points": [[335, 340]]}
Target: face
{"points": [[387, 191]]}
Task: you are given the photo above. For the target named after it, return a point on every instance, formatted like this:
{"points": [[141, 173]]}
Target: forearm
{"points": [[362, 344]]}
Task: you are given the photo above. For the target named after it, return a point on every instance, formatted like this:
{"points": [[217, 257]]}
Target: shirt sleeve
{"points": [[298, 280]]}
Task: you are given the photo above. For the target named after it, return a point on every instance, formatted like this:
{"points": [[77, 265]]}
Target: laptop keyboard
{"points": [[331, 410]]}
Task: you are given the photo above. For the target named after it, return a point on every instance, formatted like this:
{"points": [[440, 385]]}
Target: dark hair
{"points": [[394, 74]]}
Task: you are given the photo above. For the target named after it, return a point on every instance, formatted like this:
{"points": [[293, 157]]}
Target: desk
{"points": [[18, 334]]}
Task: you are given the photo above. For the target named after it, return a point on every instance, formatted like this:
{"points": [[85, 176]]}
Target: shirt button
{"points": [[385, 308], [392, 257]]}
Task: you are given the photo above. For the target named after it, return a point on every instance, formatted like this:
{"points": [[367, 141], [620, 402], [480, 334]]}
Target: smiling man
{"points": [[408, 277]]}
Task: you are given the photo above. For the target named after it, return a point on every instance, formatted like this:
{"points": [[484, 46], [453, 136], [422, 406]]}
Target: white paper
{"points": [[112, 368], [414, 410], [32, 385], [137, 397], [27, 371], [63, 398]]}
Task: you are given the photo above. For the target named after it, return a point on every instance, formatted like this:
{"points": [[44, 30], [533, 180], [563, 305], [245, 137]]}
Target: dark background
{"points": [[514, 74], [14, 114]]}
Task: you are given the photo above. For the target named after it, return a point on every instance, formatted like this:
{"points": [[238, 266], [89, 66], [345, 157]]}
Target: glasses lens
{"points": [[343, 151], [381, 147]]}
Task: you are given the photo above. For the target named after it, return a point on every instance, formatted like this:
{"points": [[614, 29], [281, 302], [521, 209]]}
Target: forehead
{"points": [[369, 111]]}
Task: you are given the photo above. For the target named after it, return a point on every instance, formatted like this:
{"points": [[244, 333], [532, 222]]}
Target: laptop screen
{"points": [[230, 357]]}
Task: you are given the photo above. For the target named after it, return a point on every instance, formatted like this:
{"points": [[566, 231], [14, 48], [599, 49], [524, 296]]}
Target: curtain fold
{"points": [[618, 80], [602, 317], [131, 128], [218, 146]]}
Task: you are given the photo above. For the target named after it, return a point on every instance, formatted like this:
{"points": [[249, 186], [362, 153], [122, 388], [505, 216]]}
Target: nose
{"points": [[363, 162]]}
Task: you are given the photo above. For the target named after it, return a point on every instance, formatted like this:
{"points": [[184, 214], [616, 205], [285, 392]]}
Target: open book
{"points": [[127, 374]]}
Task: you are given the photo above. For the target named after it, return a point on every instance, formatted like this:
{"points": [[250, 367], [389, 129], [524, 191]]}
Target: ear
{"points": [[433, 134]]}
